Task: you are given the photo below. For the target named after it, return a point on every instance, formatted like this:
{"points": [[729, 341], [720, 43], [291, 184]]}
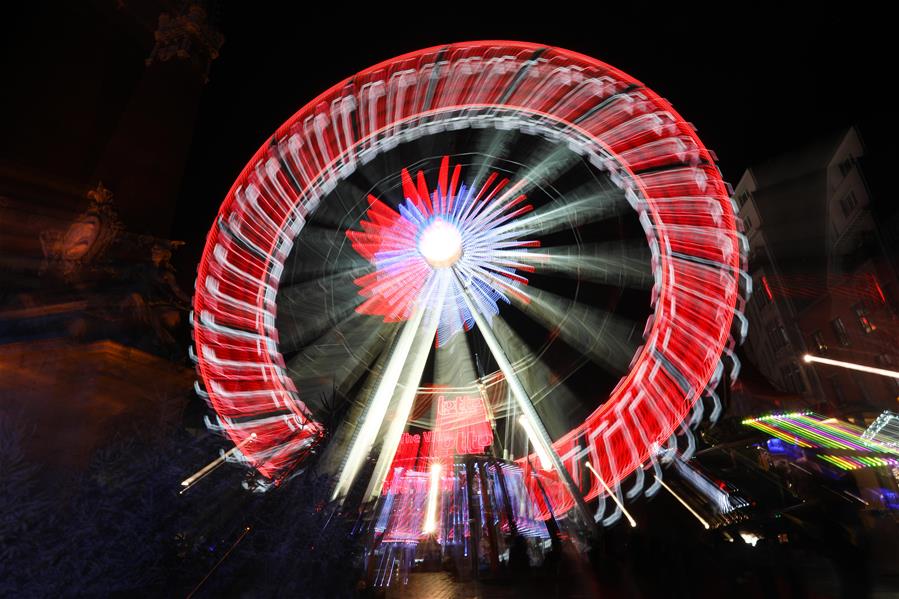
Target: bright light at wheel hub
{"points": [[440, 244]]}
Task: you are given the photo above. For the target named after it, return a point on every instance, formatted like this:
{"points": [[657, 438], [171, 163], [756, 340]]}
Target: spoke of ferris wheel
{"points": [[622, 264], [321, 238], [580, 208], [524, 403], [606, 338], [499, 143], [308, 325], [549, 168], [408, 387], [538, 380], [305, 339], [553, 161], [380, 401], [321, 280], [453, 365], [354, 342]]}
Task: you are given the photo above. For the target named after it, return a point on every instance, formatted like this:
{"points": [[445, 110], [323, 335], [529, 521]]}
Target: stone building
{"points": [[98, 110], [823, 240]]}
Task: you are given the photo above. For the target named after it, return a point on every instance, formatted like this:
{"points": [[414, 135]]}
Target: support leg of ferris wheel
{"points": [[408, 389], [380, 401], [526, 406]]}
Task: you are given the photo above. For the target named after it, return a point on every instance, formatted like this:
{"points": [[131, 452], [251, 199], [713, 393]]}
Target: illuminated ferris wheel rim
{"points": [[269, 461]]}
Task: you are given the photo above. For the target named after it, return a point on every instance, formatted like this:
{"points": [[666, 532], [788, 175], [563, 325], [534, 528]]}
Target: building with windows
{"points": [[823, 239]]}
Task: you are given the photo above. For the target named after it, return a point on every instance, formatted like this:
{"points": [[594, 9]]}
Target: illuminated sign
{"points": [[462, 426]]}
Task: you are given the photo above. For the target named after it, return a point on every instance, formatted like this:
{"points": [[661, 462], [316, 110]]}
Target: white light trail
{"points": [[377, 409], [187, 483], [433, 496], [614, 496], [545, 461], [602, 336], [524, 402], [580, 209], [683, 503], [616, 264], [851, 366], [542, 456], [408, 389]]}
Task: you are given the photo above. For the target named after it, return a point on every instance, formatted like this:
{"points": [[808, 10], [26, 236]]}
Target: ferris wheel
{"points": [[486, 215]]}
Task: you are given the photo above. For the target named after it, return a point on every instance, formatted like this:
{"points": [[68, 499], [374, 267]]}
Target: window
{"points": [[846, 166], [785, 376], [792, 378], [837, 390], [839, 329], [848, 203], [886, 361], [862, 388], [777, 336], [742, 199], [818, 342], [861, 313], [747, 222]]}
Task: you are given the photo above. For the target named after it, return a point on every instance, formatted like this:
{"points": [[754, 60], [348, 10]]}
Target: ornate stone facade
{"points": [[187, 36], [86, 239]]}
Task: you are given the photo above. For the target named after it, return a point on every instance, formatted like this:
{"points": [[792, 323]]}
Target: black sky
{"points": [[754, 83]]}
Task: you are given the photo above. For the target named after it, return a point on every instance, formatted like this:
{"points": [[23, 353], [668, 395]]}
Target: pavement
{"points": [[441, 585]]}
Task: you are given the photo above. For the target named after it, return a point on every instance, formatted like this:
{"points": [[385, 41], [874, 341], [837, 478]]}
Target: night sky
{"points": [[754, 85]]}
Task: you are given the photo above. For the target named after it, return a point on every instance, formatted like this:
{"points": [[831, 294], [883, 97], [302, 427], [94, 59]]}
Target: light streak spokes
{"points": [[613, 495], [542, 456], [683, 503], [433, 497], [851, 366], [377, 407], [190, 481], [406, 391], [541, 436]]}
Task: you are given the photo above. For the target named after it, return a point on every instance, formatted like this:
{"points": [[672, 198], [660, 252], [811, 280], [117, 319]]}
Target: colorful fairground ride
{"points": [[515, 268]]}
